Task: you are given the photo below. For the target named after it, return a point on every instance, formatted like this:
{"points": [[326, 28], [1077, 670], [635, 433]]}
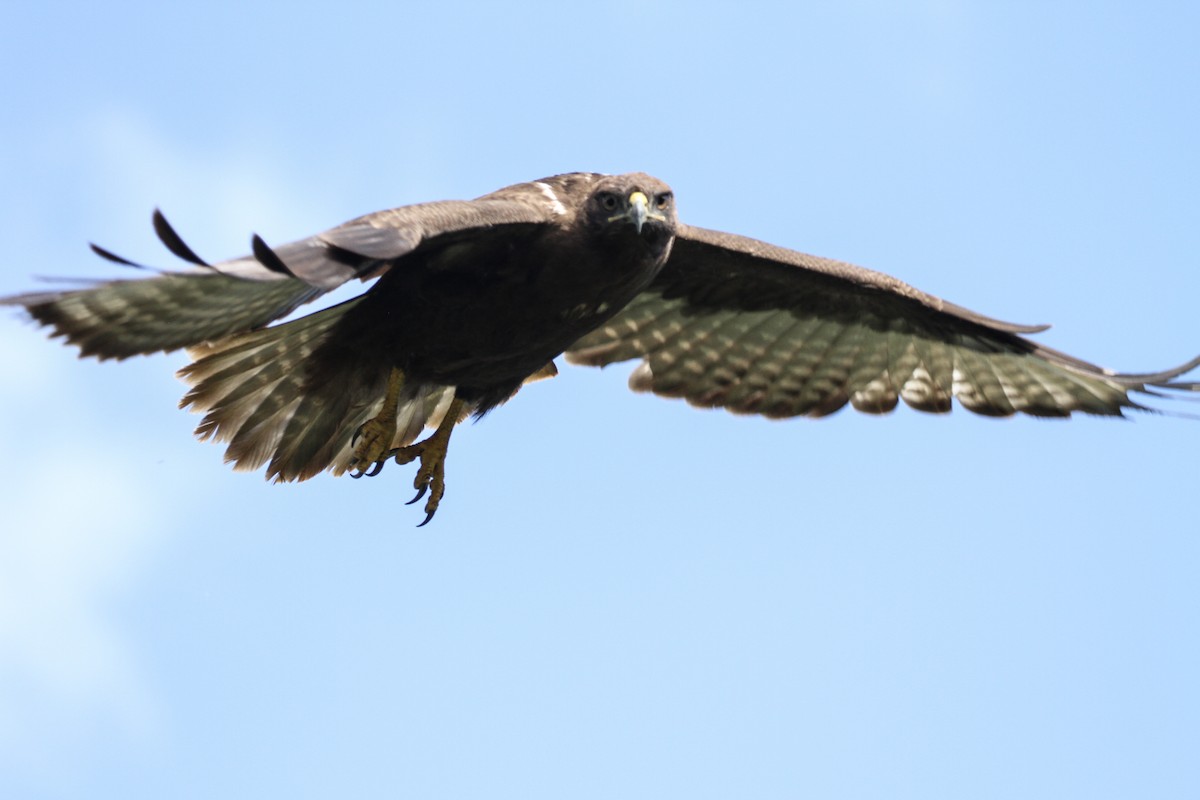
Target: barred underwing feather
{"points": [[756, 368], [980, 389], [790, 396], [826, 389], [728, 373], [134, 317], [936, 376], [679, 359], [739, 324], [645, 324], [871, 385]]}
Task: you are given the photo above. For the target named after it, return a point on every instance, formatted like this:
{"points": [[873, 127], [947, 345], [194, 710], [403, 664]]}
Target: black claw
{"points": [[428, 517], [374, 470], [420, 493], [357, 433]]}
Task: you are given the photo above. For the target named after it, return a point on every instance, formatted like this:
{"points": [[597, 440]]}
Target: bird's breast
{"points": [[477, 314]]}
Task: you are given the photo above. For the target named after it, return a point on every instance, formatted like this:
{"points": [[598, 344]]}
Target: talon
{"points": [[431, 476], [372, 449], [372, 440], [370, 470]]}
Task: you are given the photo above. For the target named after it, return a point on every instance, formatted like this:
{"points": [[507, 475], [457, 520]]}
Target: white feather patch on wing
{"points": [[555, 204]]}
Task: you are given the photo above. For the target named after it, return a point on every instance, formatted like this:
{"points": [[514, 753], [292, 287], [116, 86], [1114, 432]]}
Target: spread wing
{"points": [[209, 301], [736, 323]]}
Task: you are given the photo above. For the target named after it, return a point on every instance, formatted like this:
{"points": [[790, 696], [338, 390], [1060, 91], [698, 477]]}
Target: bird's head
{"points": [[635, 204]]}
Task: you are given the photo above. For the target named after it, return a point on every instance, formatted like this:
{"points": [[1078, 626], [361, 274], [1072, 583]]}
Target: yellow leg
{"points": [[373, 447], [373, 440], [431, 477]]}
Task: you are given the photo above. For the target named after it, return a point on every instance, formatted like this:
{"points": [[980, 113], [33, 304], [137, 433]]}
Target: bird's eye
{"points": [[662, 200], [608, 201]]}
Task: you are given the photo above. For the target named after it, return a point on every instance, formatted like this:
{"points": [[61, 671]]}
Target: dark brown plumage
{"points": [[474, 298]]}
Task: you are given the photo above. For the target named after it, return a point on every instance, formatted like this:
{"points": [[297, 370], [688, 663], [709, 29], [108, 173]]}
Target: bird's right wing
{"points": [[209, 301]]}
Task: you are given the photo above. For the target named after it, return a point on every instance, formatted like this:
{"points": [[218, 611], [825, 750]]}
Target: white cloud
{"points": [[73, 543], [77, 531], [79, 526]]}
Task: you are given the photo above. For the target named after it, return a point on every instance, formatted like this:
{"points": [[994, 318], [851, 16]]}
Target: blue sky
{"points": [[621, 596]]}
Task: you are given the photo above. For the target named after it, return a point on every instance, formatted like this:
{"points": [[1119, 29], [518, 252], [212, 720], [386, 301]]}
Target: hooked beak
{"points": [[639, 209]]}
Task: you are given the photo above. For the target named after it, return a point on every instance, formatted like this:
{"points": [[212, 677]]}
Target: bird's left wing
{"points": [[209, 301], [736, 323]]}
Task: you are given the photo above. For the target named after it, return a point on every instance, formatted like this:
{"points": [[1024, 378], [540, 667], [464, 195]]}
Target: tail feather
{"points": [[323, 420], [255, 443], [235, 378], [254, 391]]}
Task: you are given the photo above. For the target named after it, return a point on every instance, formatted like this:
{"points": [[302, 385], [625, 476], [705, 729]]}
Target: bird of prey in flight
{"points": [[472, 299]]}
